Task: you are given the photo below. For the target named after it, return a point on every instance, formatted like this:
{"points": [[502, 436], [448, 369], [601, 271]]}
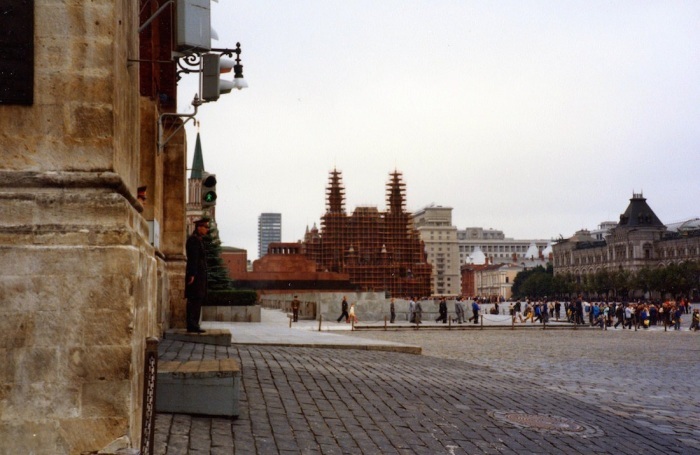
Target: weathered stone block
{"points": [[97, 363], [94, 88], [32, 437], [55, 328], [91, 121], [49, 400], [103, 398], [38, 364], [17, 329], [8, 367], [109, 327], [86, 435]]}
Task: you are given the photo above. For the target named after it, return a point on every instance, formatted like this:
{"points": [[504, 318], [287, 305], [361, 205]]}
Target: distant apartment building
{"points": [[269, 231], [434, 224], [478, 245]]}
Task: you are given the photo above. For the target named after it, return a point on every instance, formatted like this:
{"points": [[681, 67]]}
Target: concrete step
{"points": [[217, 337], [205, 387]]}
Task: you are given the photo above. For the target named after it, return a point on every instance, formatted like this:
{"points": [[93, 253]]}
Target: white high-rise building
{"points": [[434, 224], [269, 231]]}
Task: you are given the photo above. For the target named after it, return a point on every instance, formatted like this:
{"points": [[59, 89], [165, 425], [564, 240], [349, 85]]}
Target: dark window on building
{"points": [[17, 52]]}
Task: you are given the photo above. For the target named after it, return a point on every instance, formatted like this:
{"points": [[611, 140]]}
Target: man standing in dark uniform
{"points": [[196, 274], [295, 309]]}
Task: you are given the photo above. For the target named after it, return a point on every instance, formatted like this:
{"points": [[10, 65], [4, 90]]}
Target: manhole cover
{"points": [[546, 423]]}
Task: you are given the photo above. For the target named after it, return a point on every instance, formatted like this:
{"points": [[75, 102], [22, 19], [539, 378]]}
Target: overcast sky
{"points": [[533, 117]]}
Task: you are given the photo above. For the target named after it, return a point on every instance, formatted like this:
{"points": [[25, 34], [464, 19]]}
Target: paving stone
{"points": [[311, 400]]}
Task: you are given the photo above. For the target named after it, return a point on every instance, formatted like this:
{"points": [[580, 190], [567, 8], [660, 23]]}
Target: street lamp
{"points": [[209, 65]]}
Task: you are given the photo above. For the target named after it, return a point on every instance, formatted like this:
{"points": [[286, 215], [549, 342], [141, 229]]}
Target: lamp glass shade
{"points": [[239, 83]]}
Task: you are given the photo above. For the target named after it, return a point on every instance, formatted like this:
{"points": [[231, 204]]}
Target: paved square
{"points": [[471, 392]]}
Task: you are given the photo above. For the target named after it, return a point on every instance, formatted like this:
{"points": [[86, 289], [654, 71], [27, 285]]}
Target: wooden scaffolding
{"points": [[381, 251]]}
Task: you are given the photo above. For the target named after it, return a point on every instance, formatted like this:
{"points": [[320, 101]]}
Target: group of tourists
{"points": [[538, 311], [415, 311], [642, 314], [603, 314], [609, 314]]}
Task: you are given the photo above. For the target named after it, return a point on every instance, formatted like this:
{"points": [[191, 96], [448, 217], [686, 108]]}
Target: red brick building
{"points": [[284, 269]]}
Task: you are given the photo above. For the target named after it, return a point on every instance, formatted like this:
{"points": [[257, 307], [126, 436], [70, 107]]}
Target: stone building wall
{"points": [[630, 252], [81, 287]]}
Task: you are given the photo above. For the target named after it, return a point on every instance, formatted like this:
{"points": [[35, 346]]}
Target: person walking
{"points": [[442, 309], [677, 313], [529, 313], [196, 275], [595, 314], [344, 310], [517, 309], [475, 312], [459, 310], [695, 320], [629, 315], [578, 305], [392, 311], [537, 307], [352, 316], [295, 309], [412, 310], [653, 314], [419, 313], [620, 315]]}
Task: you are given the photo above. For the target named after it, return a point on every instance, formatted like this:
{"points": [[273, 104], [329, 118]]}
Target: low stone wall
{"points": [[307, 308], [369, 306], [249, 313]]}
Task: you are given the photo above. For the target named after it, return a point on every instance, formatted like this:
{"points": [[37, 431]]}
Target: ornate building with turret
{"points": [[379, 250], [639, 240]]}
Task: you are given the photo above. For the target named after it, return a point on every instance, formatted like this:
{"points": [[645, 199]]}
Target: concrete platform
{"points": [[274, 334], [207, 387], [219, 337]]}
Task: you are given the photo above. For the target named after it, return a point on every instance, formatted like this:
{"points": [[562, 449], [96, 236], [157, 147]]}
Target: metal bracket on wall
{"points": [[192, 62], [162, 138]]}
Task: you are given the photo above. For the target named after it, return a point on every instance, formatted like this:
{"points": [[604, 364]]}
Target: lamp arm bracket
{"points": [[186, 117]]}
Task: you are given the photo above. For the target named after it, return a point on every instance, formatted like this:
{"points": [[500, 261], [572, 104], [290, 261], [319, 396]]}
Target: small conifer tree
{"points": [[217, 273]]}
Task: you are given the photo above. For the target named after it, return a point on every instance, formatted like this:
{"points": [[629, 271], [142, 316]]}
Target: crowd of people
{"points": [[638, 315], [603, 314]]}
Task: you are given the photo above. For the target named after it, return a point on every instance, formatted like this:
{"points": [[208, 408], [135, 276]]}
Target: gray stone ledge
{"points": [[68, 180]]}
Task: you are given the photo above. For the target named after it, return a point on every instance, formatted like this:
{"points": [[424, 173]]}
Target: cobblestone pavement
{"points": [[551, 392]]}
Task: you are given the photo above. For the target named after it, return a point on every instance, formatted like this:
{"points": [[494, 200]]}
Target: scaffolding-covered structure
{"points": [[379, 250]]}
